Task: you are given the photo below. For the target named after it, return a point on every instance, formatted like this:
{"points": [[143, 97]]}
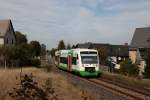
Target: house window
{"points": [[12, 41], [9, 30], [7, 41]]}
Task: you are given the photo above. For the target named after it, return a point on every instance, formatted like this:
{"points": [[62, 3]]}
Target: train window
{"points": [[63, 60], [88, 52], [74, 60]]}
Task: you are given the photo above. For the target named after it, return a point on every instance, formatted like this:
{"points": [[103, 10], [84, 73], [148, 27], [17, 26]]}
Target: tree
{"points": [[20, 38], [1, 50], [22, 53], [129, 69], [43, 49], [73, 46], [68, 46], [5, 54], [18, 55], [61, 45], [43, 52], [147, 67], [103, 54], [52, 52], [35, 48]]}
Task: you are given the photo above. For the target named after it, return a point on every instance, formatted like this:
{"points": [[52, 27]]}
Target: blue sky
{"points": [[75, 21]]}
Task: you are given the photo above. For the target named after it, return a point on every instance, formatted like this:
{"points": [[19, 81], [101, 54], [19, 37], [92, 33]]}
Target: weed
{"points": [[28, 89]]}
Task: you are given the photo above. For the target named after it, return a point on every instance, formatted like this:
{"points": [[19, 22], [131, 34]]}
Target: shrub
{"points": [[147, 71], [129, 69], [49, 89], [147, 67], [103, 55], [36, 62], [28, 89]]}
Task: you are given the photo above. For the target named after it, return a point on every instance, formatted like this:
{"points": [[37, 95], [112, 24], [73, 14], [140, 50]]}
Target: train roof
{"points": [[80, 49], [76, 50]]}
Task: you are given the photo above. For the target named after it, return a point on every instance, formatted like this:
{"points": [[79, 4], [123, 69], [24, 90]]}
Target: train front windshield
{"points": [[89, 57]]}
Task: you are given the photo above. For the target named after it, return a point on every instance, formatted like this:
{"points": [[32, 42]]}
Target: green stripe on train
{"points": [[86, 73], [63, 66], [81, 73]]}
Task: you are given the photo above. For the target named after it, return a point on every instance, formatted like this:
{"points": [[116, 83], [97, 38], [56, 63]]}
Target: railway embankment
{"points": [[104, 93], [60, 83], [111, 94], [135, 82], [68, 86]]}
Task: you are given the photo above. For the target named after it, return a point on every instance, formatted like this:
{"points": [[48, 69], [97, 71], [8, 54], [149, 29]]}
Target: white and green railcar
{"points": [[84, 62]]}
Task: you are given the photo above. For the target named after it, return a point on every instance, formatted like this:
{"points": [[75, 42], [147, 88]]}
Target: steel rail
{"points": [[119, 91], [99, 84], [140, 90]]}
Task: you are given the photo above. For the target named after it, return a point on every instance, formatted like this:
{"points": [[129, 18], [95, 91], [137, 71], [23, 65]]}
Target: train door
{"points": [[69, 63]]}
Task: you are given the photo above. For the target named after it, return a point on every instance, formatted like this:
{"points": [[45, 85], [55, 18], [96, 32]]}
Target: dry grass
{"points": [[64, 89], [8, 79], [128, 80], [68, 91]]}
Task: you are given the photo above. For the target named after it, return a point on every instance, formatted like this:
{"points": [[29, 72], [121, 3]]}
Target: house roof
{"points": [[100, 45], [92, 45], [84, 45], [119, 50], [113, 50], [4, 24], [141, 37]]}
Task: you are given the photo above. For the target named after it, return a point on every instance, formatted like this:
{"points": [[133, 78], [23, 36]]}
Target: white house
{"points": [[140, 44], [7, 34]]}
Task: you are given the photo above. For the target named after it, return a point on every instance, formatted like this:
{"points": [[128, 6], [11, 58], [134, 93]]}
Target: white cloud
{"points": [[111, 21]]}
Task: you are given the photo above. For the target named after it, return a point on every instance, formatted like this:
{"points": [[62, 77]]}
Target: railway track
{"points": [[133, 94], [140, 90], [129, 92]]}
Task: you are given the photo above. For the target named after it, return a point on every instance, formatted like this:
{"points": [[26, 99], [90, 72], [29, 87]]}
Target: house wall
{"points": [[1, 41], [9, 37], [142, 66], [132, 56]]}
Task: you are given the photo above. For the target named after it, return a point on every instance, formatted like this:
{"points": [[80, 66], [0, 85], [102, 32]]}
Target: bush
{"points": [[29, 89], [147, 71], [35, 62], [147, 67], [103, 55], [129, 69]]}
